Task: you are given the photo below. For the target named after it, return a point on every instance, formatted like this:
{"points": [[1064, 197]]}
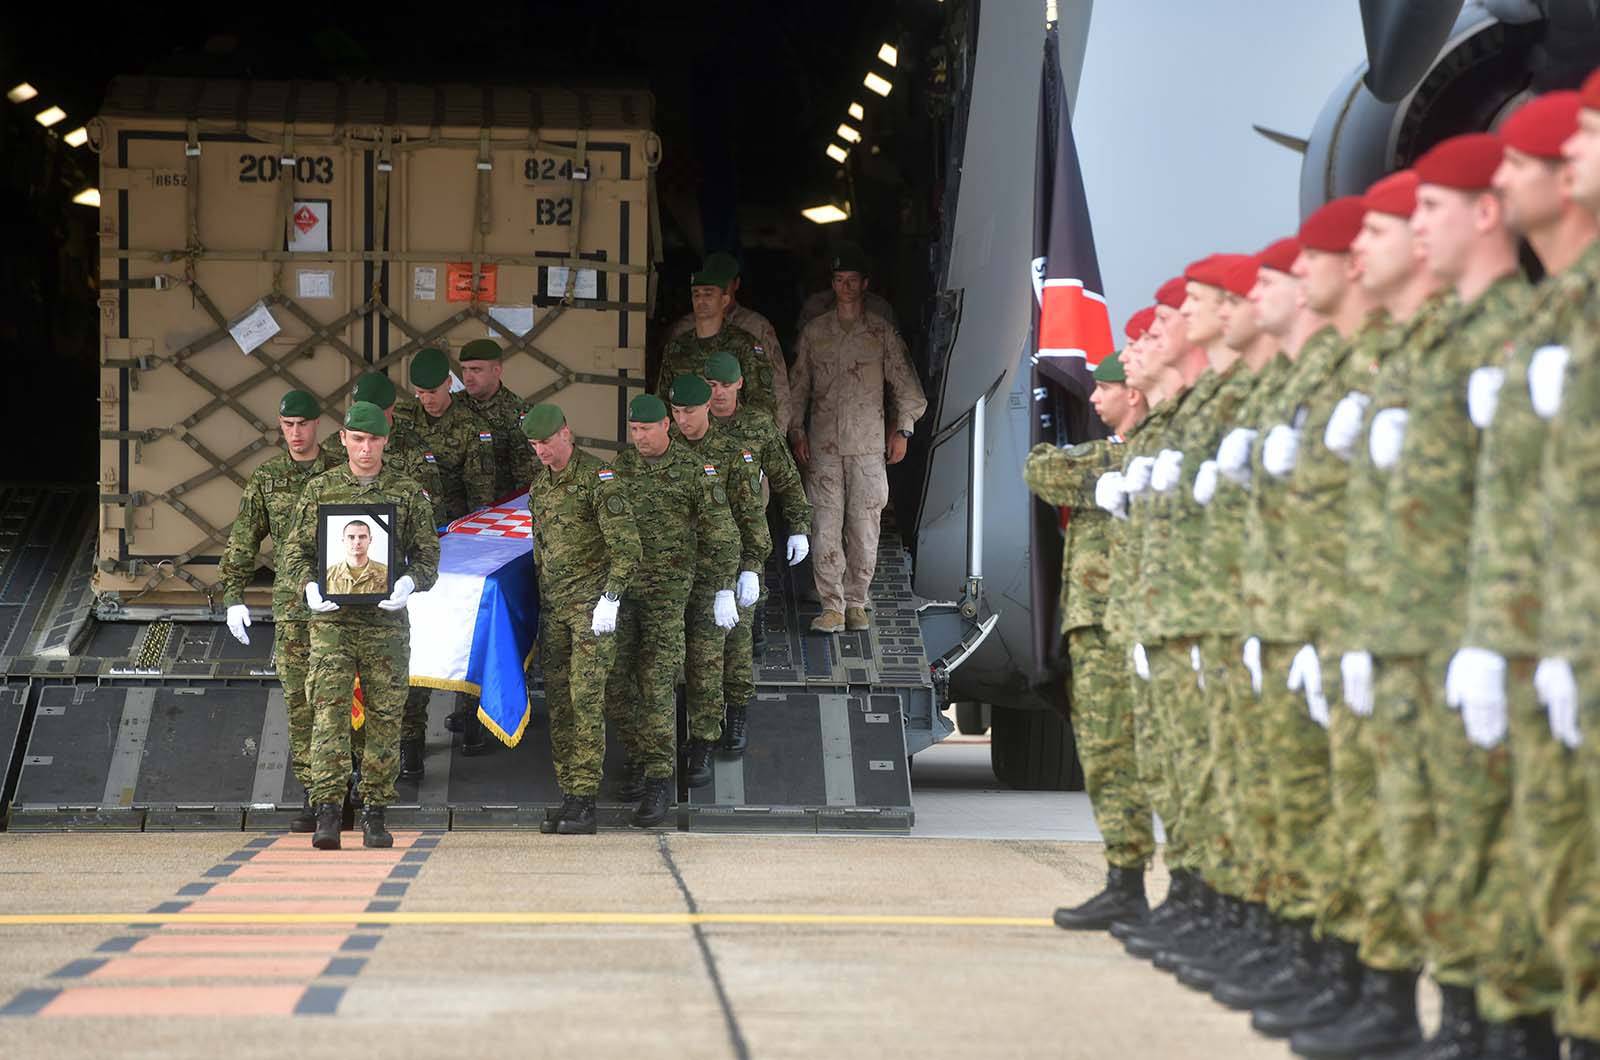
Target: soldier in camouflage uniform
{"points": [[588, 553], [756, 433], [266, 508], [690, 537], [496, 405], [374, 641], [759, 327], [687, 353], [710, 684]]}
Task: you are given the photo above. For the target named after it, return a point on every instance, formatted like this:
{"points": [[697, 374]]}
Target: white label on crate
{"points": [[424, 283], [254, 328], [308, 227], [587, 285], [518, 319], [315, 283], [456, 385]]}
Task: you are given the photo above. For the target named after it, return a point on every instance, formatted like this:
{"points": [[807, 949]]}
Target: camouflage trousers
{"points": [[1190, 765], [738, 658], [1241, 738], [1149, 744], [848, 495], [291, 657], [1298, 748], [641, 690], [381, 654], [1102, 721], [1235, 860], [414, 719], [576, 665], [704, 665]]}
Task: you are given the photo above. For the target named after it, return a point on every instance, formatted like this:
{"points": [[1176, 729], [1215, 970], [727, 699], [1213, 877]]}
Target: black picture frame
{"points": [[333, 523]]}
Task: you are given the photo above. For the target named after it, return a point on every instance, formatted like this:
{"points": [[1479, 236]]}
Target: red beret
{"points": [[1333, 227], [1172, 293], [1238, 273], [1540, 126], [1208, 270], [1462, 162], [1279, 255], [1140, 323], [1589, 94], [1395, 194]]}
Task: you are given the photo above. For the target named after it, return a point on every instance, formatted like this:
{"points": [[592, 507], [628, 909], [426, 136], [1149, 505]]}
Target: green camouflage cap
{"points": [[647, 408], [299, 403], [374, 387], [429, 368], [1110, 370], [723, 367], [365, 416], [690, 390], [542, 421], [480, 350]]}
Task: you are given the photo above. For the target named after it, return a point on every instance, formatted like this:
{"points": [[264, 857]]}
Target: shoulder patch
{"points": [[614, 504], [757, 347], [711, 469], [749, 457], [1081, 449], [719, 494], [605, 474]]}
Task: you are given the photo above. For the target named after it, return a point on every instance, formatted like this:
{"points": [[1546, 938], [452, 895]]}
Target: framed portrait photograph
{"points": [[353, 552]]}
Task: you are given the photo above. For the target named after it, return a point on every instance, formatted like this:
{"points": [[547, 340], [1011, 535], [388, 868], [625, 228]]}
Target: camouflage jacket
{"points": [[463, 447], [513, 460], [689, 535], [408, 454], [722, 456], [585, 538], [413, 544], [760, 328], [837, 388], [1066, 478], [1571, 478], [1122, 608], [266, 509], [755, 431], [688, 353]]}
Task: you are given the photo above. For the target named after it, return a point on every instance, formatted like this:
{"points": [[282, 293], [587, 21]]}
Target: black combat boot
{"points": [[1257, 943], [1190, 922], [473, 740], [1341, 980], [1383, 1019], [577, 816], [1155, 919], [410, 759], [1199, 970], [653, 806], [1214, 945], [736, 730], [697, 764], [630, 786], [1461, 1030], [373, 833], [454, 721], [1122, 898], [1524, 1038], [306, 819], [329, 816], [1278, 981], [552, 816]]}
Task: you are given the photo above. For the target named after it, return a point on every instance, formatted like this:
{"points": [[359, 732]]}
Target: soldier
{"points": [[820, 302], [357, 573], [755, 432], [691, 538], [843, 361], [493, 401], [266, 508], [588, 553], [375, 642], [687, 352], [711, 682], [1097, 688], [759, 327]]}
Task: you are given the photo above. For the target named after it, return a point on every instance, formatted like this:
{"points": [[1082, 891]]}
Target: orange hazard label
{"points": [[458, 282]]}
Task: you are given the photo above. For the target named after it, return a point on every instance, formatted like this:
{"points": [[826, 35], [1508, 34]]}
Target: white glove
{"points": [[749, 588], [799, 548], [1141, 662], [1137, 478], [1344, 426], [403, 588], [238, 619], [1199, 667], [1558, 691], [1205, 483], [1483, 395], [1252, 663], [1167, 472], [605, 616], [1355, 670], [723, 610], [1233, 455], [1305, 674], [1280, 451], [1476, 678], [1546, 376], [1108, 494], [315, 601], [1387, 437]]}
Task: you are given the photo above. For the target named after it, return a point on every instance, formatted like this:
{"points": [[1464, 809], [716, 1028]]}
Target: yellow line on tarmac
{"points": [[512, 918]]}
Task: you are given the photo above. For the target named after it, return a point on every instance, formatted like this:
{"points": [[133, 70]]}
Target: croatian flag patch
{"points": [[605, 474], [485, 436]]}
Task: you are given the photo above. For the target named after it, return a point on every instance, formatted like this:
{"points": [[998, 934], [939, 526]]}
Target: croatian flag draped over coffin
{"points": [[474, 631]]}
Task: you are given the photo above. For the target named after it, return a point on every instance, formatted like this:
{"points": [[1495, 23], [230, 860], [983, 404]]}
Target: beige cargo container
{"points": [[258, 236]]}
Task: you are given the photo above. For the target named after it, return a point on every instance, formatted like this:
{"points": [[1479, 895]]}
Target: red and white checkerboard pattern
{"points": [[495, 522]]}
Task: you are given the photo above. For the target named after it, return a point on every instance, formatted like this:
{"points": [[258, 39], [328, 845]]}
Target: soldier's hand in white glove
{"points": [[1305, 675], [1281, 450], [1109, 495], [1558, 691], [605, 616], [1475, 677], [1205, 483], [749, 588], [1168, 470], [403, 588], [315, 601], [1387, 437], [799, 547], [1355, 674], [1546, 379], [238, 620], [1344, 426], [1137, 478], [1252, 663], [723, 609], [1141, 662], [1483, 395], [1233, 455]]}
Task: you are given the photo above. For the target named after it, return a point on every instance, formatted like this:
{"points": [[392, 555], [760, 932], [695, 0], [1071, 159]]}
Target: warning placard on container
{"points": [[314, 283], [517, 319], [308, 226], [458, 282], [254, 328], [424, 283], [587, 284]]}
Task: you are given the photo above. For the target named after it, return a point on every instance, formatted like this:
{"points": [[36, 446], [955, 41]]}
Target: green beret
{"points": [[365, 416], [724, 264], [690, 390], [647, 408], [429, 368], [299, 403], [709, 277], [542, 421], [723, 367], [850, 258], [375, 388], [480, 350], [1110, 370]]}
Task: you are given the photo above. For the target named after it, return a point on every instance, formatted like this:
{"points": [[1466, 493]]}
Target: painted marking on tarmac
{"points": [[533, 918]]}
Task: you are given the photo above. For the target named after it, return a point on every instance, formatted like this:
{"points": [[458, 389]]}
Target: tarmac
{"points": [[625, 944]]}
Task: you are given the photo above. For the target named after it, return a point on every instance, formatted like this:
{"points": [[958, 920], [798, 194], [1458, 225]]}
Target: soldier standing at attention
{"points": [[687, 352], [759, 327], [843, 439], [692, 537], [376, 642], [588, 553], [266, 508], [487, 394]]}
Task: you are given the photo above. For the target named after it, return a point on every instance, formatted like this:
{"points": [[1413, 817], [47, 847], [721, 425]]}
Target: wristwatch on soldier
{"points": [[903, 433], [610, 597]]}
